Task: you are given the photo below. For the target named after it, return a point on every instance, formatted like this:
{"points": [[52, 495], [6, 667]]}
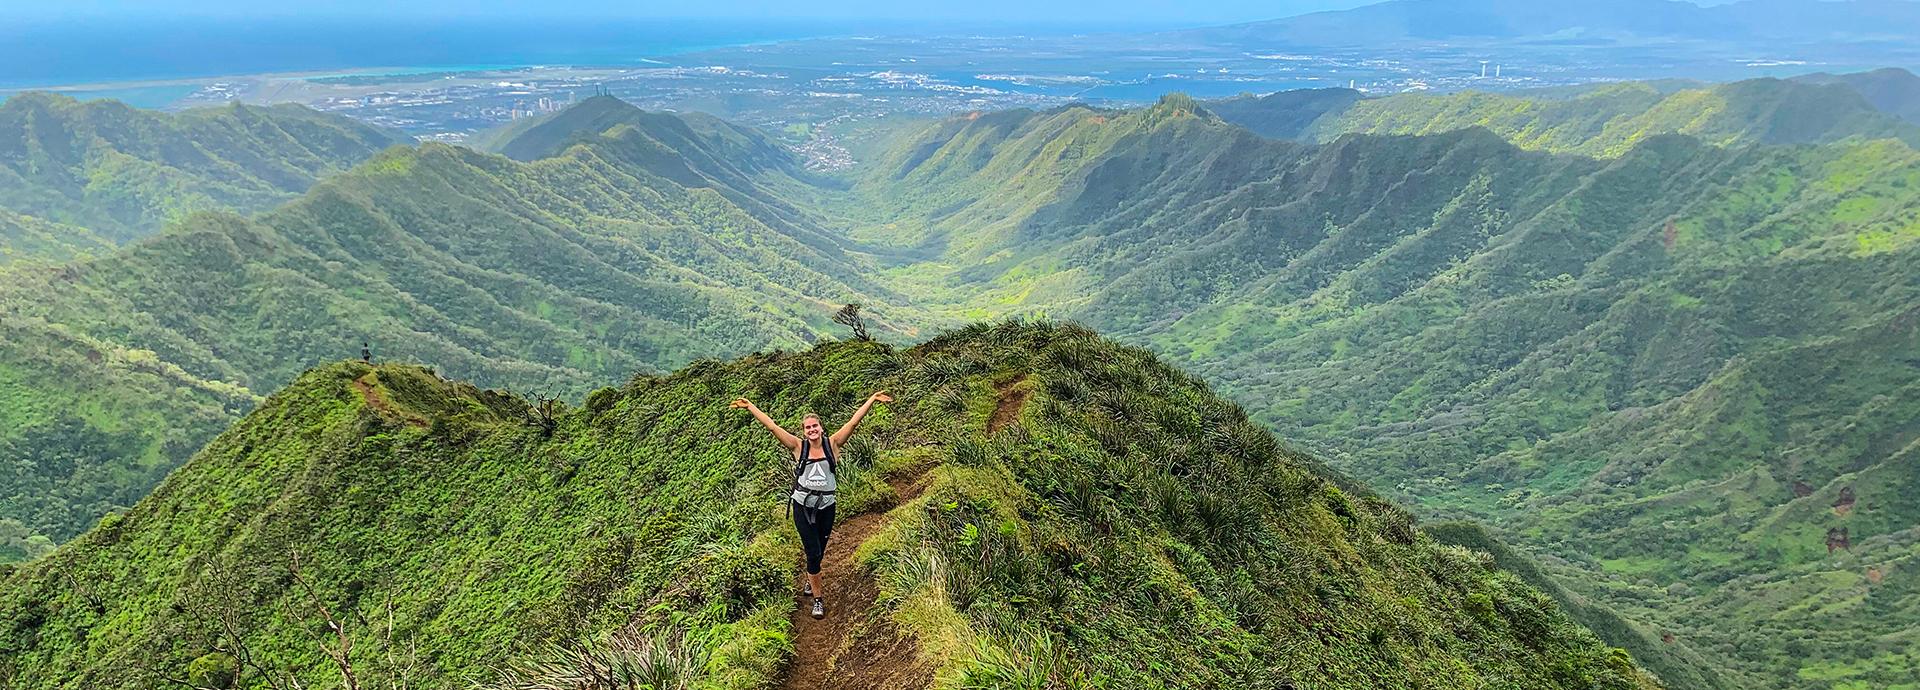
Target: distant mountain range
{"points": [[643, 244], [1893, 90], [121, 173], [1662, 333], [1684, 368], [1606, 120]]}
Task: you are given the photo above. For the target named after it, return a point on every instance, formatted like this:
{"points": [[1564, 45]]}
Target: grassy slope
{"points": [[613, 256], [1514, 337], [1893, 90], [1651, 414], [1284, 114], [1130, 528], [1680, 666], [26, 237], [91, 419], [1606, 122], [123, 173], [1430, 306]]}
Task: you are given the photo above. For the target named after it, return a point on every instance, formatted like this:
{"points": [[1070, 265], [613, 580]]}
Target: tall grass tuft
{"points": [[623, 661], [1032, 663]]}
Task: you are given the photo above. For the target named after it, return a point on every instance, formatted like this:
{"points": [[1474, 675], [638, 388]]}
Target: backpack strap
{"points": [[800, 469], [806, 450]]}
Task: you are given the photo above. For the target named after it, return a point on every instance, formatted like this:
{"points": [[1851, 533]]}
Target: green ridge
{"points": [[1130, 529], [548, 277], [1630, 365], [1627, 362], [123, 173], [1606, 121]]}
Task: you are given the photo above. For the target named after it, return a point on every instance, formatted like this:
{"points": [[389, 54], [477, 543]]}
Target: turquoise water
{"points": [[41, 54], [403, 71], [138, 96]]}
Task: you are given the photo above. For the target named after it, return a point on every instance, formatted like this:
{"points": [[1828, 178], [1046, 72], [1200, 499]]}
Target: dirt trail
{"points": [[852, 647], [1011, 399], [379, 402]]}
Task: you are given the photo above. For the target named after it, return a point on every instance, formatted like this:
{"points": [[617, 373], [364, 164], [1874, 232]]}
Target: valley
{"points": [[1658, 337]]}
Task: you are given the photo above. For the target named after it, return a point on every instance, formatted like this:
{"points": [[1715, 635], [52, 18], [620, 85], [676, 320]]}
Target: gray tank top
{"points": [[816, 475]]}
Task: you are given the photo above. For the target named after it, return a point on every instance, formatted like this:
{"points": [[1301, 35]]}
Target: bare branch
{"points": [[342, 652], [849, 316]]}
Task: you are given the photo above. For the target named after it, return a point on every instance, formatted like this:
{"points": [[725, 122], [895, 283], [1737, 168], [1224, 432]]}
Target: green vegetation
{"points": [[122, 173], [25, 237], [1284, 114], [1627, 362], [1605, 121], [623, 253], [1678, 666], [1675, 370], [1893, 90], [1127, 528]]}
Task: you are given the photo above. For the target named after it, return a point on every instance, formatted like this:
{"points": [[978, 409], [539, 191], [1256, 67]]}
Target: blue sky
{"points": [[1105, 12]]}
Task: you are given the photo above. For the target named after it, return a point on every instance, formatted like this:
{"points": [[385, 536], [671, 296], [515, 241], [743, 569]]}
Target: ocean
{"points": [[55, 53]]}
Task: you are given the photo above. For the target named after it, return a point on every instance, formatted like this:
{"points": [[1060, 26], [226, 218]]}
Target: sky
{"points": [[1101, 12]]}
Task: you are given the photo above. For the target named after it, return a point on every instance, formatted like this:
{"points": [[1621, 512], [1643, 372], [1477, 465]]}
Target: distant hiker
{"points": [[366, 353], [816, 459]]}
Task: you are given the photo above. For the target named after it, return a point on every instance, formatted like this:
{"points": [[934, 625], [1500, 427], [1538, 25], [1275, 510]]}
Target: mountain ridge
{"points": [[1486, 331], [1602, 121], [122, 173], [1893, 90], [1061, 579], [1404, 303], [542, 276]]}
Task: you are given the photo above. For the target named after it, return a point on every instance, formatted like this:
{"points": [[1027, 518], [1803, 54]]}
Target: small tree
{"points": [[544, 414], [849, 316]]}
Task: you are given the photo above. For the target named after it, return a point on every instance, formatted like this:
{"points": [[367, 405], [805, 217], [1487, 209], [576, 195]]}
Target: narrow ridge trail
{"points": [[852, 647], [374, 399]]}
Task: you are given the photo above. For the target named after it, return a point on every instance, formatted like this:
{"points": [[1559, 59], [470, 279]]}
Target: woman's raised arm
{"points": [[786, 439], [840, 437]]}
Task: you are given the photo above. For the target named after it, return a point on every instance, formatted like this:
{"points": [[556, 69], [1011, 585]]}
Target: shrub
{"points": [[215, 670]]}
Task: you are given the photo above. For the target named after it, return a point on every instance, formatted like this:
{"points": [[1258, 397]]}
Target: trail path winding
{"points": [[854, 647]]}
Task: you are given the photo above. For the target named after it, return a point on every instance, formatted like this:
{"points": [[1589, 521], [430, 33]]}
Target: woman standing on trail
{"points": [[815, 461]]}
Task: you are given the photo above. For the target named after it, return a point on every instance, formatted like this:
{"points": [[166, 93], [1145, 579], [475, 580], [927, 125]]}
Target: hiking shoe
{"points": [[819, 608], [806, 590]]}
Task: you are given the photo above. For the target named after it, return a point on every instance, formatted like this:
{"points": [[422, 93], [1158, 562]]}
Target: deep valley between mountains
{"points": [[1643, 360]]}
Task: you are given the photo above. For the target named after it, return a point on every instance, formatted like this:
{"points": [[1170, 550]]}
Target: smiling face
{"points": [[810, 427]]}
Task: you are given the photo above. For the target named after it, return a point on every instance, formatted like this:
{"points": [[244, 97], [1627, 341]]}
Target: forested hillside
{"points": [[24, 237], [1893, 90], [1080, 515], [1685, 369], [122, 173], [1679, 370], [616, 255], [1606, 121]]}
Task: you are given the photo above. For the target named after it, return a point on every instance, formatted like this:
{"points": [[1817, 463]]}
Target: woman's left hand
{"points": [[881, 397]]}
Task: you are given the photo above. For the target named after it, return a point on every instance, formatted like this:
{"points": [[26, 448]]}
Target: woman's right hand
{"points": [[740, 404]]}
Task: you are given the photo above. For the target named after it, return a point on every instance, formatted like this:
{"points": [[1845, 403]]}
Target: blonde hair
{"points": [[809, 415]]}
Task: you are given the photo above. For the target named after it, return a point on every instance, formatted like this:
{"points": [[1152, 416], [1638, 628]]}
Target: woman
{"points": [[815, 460]]}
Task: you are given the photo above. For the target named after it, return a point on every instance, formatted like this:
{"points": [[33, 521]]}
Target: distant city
{"points": [[810, 91], [452, 106]]}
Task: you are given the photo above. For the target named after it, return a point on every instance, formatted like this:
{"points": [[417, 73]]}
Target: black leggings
{"points": [[813, 535]]}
